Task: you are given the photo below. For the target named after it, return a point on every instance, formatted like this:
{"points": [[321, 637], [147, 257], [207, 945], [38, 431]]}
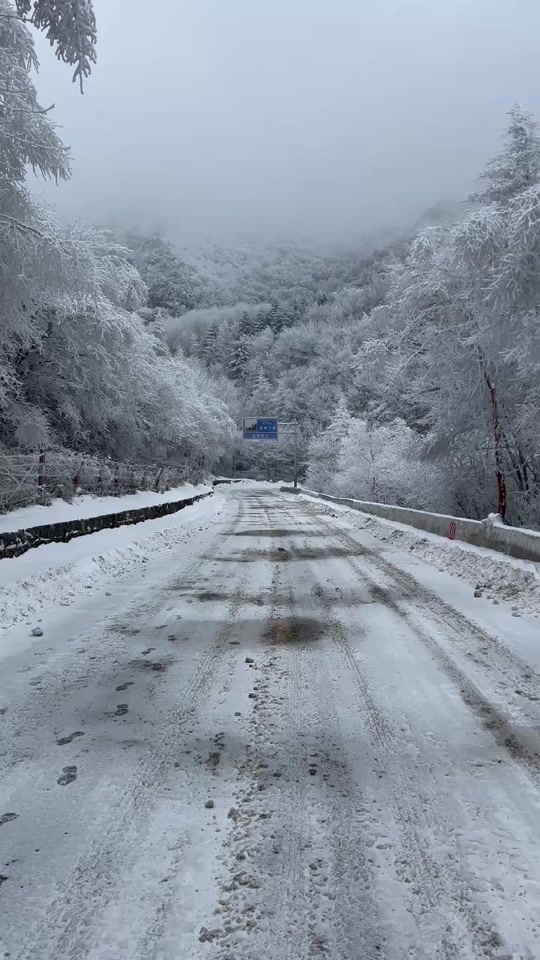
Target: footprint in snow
{"points": [[7, 817], [64, 740], [69, 774]]}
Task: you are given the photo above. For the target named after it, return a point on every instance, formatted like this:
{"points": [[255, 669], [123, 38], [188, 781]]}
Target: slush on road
{"points": [[280, 737]]}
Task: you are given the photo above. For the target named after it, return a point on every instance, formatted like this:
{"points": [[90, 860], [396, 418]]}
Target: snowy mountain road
{"points": [[285, 742]]}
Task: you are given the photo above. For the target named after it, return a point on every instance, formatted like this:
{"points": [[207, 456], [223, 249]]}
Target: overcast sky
{"points": [[288, 118]]}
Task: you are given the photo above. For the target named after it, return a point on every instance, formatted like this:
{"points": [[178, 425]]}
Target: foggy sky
{"points": [[288, 118]]}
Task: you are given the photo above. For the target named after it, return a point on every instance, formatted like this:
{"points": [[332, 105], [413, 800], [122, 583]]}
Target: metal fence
{"points": [[41, 477]]}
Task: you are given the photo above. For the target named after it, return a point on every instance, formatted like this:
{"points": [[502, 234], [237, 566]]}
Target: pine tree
{"points": [[274, 317], [209, 348], [239, 358], [245, 324], [194, 345], [258, 322], [262, 398]]}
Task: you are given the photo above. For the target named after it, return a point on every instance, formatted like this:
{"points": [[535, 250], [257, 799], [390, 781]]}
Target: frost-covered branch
{"points": [[70, 27]]}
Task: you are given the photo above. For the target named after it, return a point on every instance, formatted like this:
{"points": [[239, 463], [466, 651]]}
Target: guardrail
{"points": [[13, 544], [489, 533]]}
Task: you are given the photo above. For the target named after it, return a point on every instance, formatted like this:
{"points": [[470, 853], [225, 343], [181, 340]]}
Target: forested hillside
{"points": [[412, 369], [410, 365]]}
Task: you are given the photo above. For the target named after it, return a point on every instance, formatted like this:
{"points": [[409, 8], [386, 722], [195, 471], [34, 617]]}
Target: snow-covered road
{"points": [[284, 740]]}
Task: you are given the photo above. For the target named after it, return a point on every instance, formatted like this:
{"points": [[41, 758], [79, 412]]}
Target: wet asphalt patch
{"points": [[279, 532], [330, 552], [156, 666], [209, 595], [294, 630]]}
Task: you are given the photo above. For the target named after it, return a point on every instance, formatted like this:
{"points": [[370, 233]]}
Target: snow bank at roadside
{"points": [[60, 573], [495, 576], [88, 506]]}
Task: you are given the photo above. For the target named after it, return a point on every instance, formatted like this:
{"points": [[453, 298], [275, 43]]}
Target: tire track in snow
{"points": [[68, 931], [351, 919], [315, 894], [265, 855], [503, 663], [500, 725], [211, 936], [442, 902]]}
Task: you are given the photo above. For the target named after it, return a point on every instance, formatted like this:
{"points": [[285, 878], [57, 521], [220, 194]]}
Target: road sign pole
{"points": [[295, 455], [269, 428]]}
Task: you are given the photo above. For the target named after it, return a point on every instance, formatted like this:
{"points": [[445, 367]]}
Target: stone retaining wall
{"points": [[17, 542]]}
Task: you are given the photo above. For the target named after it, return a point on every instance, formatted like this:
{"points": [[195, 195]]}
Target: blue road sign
{"points": [[260, 428]]}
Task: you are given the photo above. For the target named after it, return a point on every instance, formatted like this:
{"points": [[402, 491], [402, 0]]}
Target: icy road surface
{"points": [[285, 741]]}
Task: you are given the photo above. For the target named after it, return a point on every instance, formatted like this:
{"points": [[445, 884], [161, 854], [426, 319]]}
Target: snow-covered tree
{"points": [[382, 464], [70, 27], [325, 450], [447, 349], [173, 284], [517, 167], [238, 357]]}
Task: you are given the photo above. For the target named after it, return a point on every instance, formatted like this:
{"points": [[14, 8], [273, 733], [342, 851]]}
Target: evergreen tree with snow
{"points": [[245, 324], [70, 27], [274, 317], [262, 396], [209, 348], [239, 357]]}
